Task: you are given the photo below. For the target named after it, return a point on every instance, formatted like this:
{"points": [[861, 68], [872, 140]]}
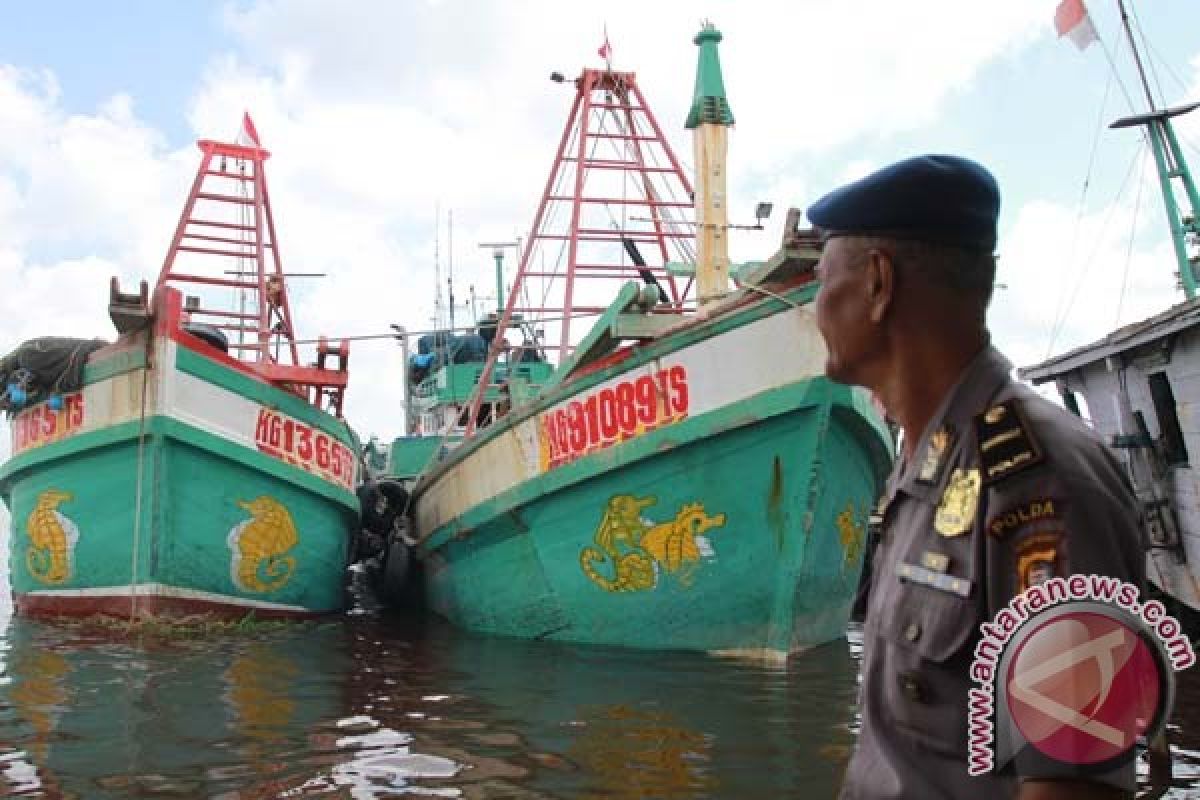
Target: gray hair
{"points": [[963, 270]]}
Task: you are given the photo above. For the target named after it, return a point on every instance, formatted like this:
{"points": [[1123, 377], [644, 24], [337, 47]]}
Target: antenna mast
{"points": [[437, 267], [1168, 157]]}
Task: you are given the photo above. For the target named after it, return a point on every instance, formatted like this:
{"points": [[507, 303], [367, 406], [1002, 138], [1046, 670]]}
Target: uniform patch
{"points": [[1007, 521], [934, 458], [934, 580], [1006, 445], [956, 510], [1039, 558]]}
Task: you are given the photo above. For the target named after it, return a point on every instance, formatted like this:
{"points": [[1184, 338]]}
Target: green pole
{"points": [[1185, 175], [1174, 219]]}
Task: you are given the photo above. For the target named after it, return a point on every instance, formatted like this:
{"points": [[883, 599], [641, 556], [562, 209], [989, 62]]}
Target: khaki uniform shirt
{"points": [[1051, 501]]}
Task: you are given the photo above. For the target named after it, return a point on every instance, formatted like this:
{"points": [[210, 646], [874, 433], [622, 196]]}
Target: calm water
{"points": [[377, 705]]}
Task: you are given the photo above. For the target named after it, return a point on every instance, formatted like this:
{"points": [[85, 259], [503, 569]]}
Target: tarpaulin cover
{"points": [[45, 366]]}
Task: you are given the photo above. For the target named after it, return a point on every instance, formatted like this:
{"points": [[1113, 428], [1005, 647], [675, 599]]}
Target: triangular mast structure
{"points": [[617, 206], [226, 240], [615, 189]]}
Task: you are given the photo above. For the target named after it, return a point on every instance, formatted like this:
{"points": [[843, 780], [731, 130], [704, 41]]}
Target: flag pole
{"points": [[606, 50], [1137, 58]]}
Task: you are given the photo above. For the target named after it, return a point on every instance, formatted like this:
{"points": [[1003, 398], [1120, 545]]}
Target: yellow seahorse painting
{"points": [[639, 550], [260, 546], [678, 544], [621, 527], [52, 538], [850, 532]]}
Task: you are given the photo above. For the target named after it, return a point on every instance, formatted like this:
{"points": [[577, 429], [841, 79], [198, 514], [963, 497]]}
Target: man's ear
{"points": [[880, 283]]}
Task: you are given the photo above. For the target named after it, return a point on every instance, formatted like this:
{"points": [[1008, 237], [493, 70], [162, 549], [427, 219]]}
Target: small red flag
{"points": [[248, 127], [605, 50], [1071, 20]]}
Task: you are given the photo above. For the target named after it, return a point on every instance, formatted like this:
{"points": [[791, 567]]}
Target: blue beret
{"points": [[930, 198]]}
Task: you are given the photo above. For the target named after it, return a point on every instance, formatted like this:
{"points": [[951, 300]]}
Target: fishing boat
{"points": [[683, 476], [194, 464], [1138, 383]]}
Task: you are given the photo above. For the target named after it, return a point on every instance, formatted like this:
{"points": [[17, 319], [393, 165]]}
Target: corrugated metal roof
{"points": [[1176, 318]]}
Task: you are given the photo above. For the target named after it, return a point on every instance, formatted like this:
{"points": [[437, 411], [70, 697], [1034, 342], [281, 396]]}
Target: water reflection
{"points": [[589, 722], [372, 707], [1183, 731]]}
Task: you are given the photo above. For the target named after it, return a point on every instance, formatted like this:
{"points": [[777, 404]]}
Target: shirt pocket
{"points": [[928, 633]]}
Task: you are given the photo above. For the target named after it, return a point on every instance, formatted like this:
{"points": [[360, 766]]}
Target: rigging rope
{"points": [[1137, 23], [1112, 66], [1178, 80], [1137, 204], [1079, 283], [628, 150], [135, 548], [1166, 64], [410, 334], [1059, 309]]}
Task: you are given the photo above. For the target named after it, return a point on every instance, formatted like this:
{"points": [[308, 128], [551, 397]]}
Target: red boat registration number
{"points": [[303, 446], [612, 414], [42, 425]]}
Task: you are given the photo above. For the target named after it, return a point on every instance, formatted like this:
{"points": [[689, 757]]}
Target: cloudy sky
{"points": [[379, 111]]}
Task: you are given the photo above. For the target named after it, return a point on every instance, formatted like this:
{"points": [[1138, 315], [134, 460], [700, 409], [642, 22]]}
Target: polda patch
{"points": [[1033, 511]]}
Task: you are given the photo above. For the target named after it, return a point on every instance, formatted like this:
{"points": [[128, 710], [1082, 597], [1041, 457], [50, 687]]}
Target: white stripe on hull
{"points": [[726, 368], [172, 393]]}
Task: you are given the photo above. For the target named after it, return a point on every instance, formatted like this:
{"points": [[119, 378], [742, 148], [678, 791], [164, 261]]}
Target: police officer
{"points": [[995, 489]]}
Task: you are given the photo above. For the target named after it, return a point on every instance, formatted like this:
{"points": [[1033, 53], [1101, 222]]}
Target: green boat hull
{"points": [[785, 497], [171, 512]]}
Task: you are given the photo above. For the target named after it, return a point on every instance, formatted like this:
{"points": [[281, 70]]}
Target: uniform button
{"points": [[913, 688], [912, 632]]}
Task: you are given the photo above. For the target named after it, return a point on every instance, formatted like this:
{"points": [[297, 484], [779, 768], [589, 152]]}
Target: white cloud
{"points": [[377, 111], [1057, 296], [1073, 277], [380, 111]]}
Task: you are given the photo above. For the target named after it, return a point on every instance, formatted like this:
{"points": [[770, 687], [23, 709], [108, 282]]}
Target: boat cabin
{"points": [[1139, 388]]}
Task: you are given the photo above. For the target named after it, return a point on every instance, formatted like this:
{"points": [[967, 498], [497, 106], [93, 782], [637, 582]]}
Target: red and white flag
{"points": [[249, 129], [1071, 20], [605, 50]]}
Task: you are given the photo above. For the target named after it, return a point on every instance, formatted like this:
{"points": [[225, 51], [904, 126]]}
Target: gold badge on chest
{"points": [[956, 510]]}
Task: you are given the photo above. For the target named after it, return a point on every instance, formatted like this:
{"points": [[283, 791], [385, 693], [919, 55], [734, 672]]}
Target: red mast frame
{"points": [[227, 220], [642, 157]]}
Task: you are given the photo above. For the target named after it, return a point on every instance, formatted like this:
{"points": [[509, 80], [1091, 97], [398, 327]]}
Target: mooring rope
{"points": [[137, 497]]}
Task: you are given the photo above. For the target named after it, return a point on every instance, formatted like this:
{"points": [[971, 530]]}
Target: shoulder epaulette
{"points": [[1006, 445]]}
